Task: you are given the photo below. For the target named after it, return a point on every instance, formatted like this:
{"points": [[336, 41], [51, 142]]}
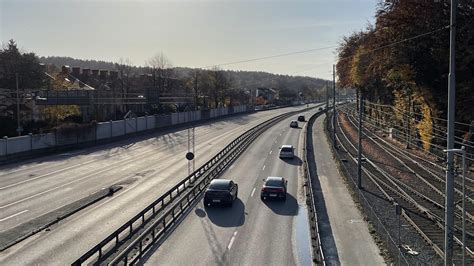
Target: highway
{"points": [[145, 166], [251, 232]]}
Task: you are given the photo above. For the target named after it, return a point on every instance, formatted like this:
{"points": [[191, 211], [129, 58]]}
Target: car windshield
{"points": [[274, 183], [219, 185], [286, 149]]}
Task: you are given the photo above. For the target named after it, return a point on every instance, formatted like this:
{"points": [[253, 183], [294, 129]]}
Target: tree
{"points": [[124, 68], [161, 70], [27, 66]]}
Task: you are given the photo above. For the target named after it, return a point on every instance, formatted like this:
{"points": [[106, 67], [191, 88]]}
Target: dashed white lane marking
{"points": [[253, 192], [13, 215], [232, 240], [263, 168], [270, 152]]}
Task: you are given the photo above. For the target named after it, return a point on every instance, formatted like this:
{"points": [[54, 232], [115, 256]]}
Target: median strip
{"points": [[19, 233]]}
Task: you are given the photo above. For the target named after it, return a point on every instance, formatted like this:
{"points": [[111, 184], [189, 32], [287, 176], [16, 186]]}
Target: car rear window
{"points": [[219, 185], [274, 183], [286, 149]]}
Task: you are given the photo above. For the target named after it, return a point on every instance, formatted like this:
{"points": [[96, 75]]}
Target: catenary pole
{"points": [[334, 105], [449, 208], [327, 96], [359, 147]]}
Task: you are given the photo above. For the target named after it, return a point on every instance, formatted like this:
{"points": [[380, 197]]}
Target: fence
{"points": [[106, 130]]}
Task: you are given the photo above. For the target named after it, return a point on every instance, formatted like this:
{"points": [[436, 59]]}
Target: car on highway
{"points": [[274, 188], [287, 151], [294, 123], [221, 191], [320, 108], [301, 118]]}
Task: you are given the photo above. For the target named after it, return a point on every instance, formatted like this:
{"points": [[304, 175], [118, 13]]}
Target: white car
{"points": [[287, 151]]}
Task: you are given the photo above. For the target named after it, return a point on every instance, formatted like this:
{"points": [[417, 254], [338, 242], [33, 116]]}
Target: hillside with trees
{"points": [[402, 61], [238, 80]]}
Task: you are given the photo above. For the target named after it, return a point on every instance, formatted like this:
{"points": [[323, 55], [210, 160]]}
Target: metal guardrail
{"points": [[184, 193], [318, 255]]}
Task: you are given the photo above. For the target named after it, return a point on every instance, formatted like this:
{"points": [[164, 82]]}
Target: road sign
{"points": [[189, 156]]}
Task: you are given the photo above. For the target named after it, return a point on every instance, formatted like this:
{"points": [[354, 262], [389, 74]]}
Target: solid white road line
{"points": [[232, 240], [13, 215], [253, 192]]}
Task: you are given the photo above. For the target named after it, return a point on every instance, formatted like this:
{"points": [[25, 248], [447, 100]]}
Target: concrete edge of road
{"points": [[309, 163], [23, 231]]}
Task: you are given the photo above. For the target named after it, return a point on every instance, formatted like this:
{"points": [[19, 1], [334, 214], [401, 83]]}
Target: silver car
{"points": [[287, 151]]}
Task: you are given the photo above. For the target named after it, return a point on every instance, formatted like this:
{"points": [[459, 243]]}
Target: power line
{"points": [[272, 56]]}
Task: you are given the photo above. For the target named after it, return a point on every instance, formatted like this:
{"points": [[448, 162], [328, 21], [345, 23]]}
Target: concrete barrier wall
{"points": [[163, 120], [19, 144], [2, 147], [42, 141], [106, 130], [142, 123], [131, 125], [151, 122], [118, 128]]}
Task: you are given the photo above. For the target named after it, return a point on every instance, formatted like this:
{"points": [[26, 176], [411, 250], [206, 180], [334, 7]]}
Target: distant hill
{"points": [[243, 79]]}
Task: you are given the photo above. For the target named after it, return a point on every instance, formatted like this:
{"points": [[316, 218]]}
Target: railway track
{"points": [[433, 178], [421, 195]]}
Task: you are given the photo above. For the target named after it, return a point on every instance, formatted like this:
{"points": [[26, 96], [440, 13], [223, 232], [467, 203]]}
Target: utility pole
{"points": [[359, 148], [19, 129], [327, 94], [408, 118], [449, 213], [334, 105]]}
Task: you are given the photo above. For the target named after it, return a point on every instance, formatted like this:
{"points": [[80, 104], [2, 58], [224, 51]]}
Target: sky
{"points": [[191, 33]]}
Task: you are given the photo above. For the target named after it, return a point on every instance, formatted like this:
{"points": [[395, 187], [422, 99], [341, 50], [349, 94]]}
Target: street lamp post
{"points": [[462, 151]]}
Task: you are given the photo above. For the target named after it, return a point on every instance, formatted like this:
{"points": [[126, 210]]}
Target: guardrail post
{"points": [[140, 249]]}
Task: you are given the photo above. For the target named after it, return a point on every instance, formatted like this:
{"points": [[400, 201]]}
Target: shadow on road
{"points": [[225, 216], [295, 161], [289, 207]]}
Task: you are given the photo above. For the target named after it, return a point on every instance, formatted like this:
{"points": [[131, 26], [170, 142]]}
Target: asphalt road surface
{"points": [[146, 167], [251, 232]]}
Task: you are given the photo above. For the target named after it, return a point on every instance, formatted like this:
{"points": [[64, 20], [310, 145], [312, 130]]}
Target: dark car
{"points": [[221, 191], [274, 188], [320, 109], [301, 118], [294, 124]]}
